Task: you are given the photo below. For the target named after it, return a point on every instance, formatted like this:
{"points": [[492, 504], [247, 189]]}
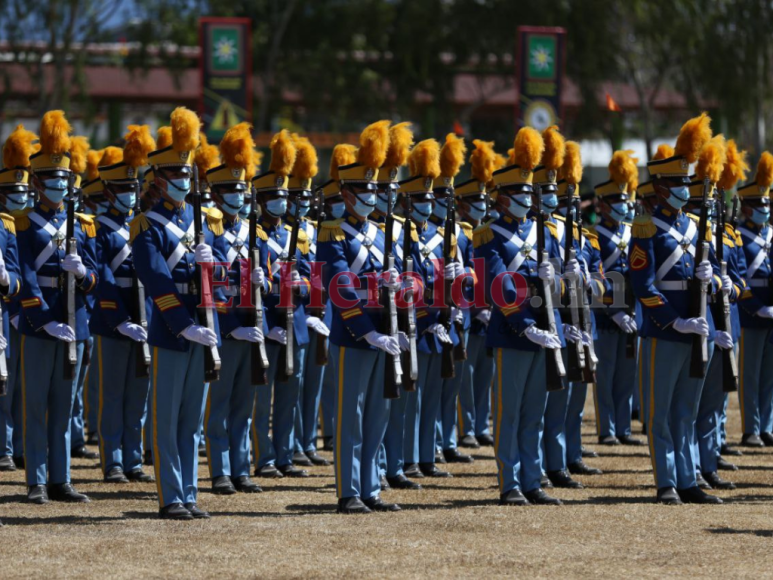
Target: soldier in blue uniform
{"points": [[661, 262], [47, 396], [508, 246], [123, 395], [14, 193], [165, 259], [274, 455], [755, 391], [231, 399], [352, 251]]}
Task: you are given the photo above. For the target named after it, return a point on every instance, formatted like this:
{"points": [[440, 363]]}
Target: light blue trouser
{"points": [[77, 429], [278, 449], [615, 384], [553, 447], [361, 419], [430, 393], [11, 443], [519, 409], [635, 398], [710, 409], [91, 401], [123, 398], [177, 397], [449, 405], [578, 392], [228, 414], [307, 414], [394, 438], [327, 403], [755, 392], [475, 392], [47, 401], [673, 398], [428, 366]]}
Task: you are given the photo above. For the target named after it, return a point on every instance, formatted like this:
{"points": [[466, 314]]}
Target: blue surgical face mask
{"points": [[337, 209], [477, 210], [16, 201], [178, 188], [440, 209], [102, 207], [55, 189], [493, 214], [304, 209], [124, 202], [760, 215], [365, 203], [618, 211], [382, 200], [244, 212], [520, 204], [562, 210], [208, 204], [233, 203], [679, 196], [421, 210], [549, 203], [277, 207], [631, 213]]}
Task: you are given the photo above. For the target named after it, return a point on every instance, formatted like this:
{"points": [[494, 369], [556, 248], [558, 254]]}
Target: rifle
{"points": [[576, 354], [547, 317], [392, 371], [460, 349], [630, 301], [589, 372], [286, 358], [698, 291], [205, 314], [447, 370], [321, 354], [407, 315], [139, 314], [258, 357], [71, 358], [720, 307]]}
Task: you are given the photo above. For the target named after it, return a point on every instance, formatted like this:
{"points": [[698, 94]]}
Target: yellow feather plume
{"points": [[510, 160], [374, 142], [206, 157], [622, 168], [425, 159], [254, 167], [664, 151], [711, 160], [164, 137], [735, 168], [139, 142], [92, 163], [693, 136], [237, 146], [283, 153], [18, 148], [54, 133], [400, 143], [555, 148], [764, 177], [452, 155], [306, 166], [483, 160], [110, 156], [571, 169], [186, 127], [501, 161], [343, 154], [528, 148], [79, 148]]}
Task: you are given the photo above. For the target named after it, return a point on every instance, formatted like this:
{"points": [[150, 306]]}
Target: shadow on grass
{"points": [[61, 520], [128, 494], [759, 533]]}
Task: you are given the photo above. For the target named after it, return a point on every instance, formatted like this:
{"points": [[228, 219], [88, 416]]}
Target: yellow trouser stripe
{"points": [[500, 465], [206, 422], [255, 445], [652, 410], [86, 407], [339, 419], [24, 404], [641, 379], [156, 458], [740, 383], [596, 408], [102, 458]]}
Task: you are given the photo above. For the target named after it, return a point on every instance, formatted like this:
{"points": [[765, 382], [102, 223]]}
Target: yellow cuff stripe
{"points": [[510, 310], [30, 302], [108, 305], [351, 313]]}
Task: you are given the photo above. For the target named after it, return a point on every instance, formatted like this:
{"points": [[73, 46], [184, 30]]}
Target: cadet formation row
{"points": [[179, 285]]}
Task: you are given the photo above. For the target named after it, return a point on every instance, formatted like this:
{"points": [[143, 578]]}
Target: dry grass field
{"points": [[453, 528]]}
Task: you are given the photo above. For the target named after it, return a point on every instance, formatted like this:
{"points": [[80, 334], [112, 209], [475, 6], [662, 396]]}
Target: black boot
{"points": [[316, 459], [581, 468], [402, 482], [668, 496], [629, 440], [66, 492], [513, 497], [456, 456], [725, 465], [563, 479], [222, 485], [116, 475], [7, 464], [290, 470], [431, 470], [469, 442], [751, 440], [732, 451], [352, 505], [702, 483], [245, 485], [717, 482], [376, 504], [269, 471], [697, 495], [299, 458], [485, 440], [539, 497], [83, 453], [139, 476], [37, 494], [196, 511], [174, 511]]}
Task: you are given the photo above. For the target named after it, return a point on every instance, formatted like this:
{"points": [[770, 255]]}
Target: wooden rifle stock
{"points": [[589, 372], [447, 366], [698, 291], [286, 351], [407, 315], [392, 370], [71, 354], [258, 357], [139, 314], [576, 351]]}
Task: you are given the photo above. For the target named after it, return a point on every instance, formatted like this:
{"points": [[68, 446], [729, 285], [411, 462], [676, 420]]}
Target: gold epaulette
{"points": [[8, 222], [442, 232], [138, 225], [728, 240], [88, 225], [398, 218], [738, 240], [592, 237], [331, 231], [413, 229], [643, 227], [467, 229], [214, 220], [481, 235], [262, 235], [303, 241], [21, 219], [553, 228], [697, 220]]}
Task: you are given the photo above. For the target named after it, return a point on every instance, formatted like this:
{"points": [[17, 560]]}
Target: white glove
{"points": [[440, 331], [133, 331], [405, 344], [317, 326], [692, 326], [765, 312], [453, 270], [388, 344], [546, 271], [727, 284], [572, 333], [15, 321], [203, 253], [704, 272], [3, 343], [248, 333], [542, 337], [5, 279], [60, 331], [278, 334], [295, 278], [457, 314], [73, 263], [391, 279], [587, 339], [484, 316], [258, 277], [625, 322], [723, 340], [200, 334], [572, 270]]}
